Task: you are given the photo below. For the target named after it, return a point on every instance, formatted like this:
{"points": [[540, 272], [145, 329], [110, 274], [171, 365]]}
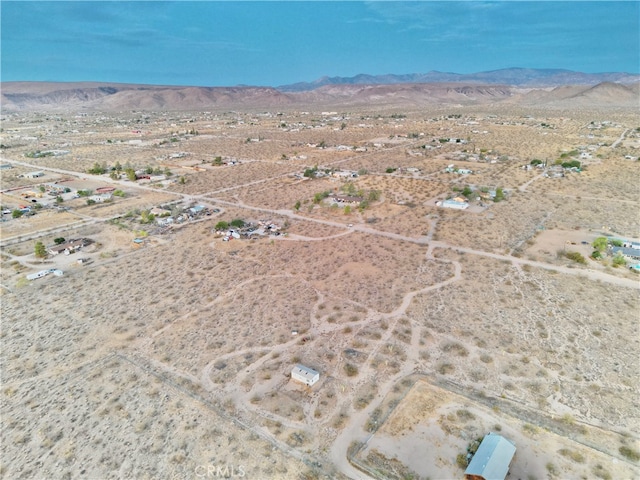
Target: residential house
{"points": [[104, 197], [632, 253], [67, 247]]}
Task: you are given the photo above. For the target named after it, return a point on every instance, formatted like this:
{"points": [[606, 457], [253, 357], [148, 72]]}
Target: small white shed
{"points": [[305, 375]]}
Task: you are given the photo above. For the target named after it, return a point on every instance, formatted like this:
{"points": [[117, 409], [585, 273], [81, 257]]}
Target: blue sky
{"points": [[275, 43]]}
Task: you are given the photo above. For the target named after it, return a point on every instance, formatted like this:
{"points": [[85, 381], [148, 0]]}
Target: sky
{"points": [[267, 43]]}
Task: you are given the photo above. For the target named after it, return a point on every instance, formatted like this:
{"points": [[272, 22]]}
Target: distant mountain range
{"points": [[522, 77], [518, 86]]}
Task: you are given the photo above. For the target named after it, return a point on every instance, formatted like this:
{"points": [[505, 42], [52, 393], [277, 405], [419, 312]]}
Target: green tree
{"points": [[58, 240], [222, 225], [118, 193], [318, 197], [59, 200], [237, 222], [600, 244], [183, 180], [41, 188], [131, 174], [40, 250], [16, 213], [146, 217], [499, 195], [310, 172], [297, 205], [117, 167], [97, 169], [347, 209], [217, 161]]}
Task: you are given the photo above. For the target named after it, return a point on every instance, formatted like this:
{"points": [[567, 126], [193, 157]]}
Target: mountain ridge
{"points": [[52, 96], [515, 76]]}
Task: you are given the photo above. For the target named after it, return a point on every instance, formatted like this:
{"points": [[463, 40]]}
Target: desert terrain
{"points": [[222, 247]]}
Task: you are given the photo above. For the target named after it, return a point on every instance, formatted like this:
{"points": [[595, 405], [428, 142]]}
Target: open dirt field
{"points": [[167, 351], [432, 426]]}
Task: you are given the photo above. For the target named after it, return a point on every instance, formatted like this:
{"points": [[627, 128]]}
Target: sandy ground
{"points": [[152, 361], [432, 426]]}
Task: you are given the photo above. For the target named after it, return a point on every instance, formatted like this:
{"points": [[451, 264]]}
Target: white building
{"points": [[453, 204], [100, 198], [33, 175], [305, 375]]}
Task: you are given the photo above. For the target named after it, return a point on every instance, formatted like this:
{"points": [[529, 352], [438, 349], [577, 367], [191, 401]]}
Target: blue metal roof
{"points": [[492, 459]]}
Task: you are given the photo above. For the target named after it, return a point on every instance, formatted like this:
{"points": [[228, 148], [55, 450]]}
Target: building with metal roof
{"points": [[305, 375], [492, 459]]}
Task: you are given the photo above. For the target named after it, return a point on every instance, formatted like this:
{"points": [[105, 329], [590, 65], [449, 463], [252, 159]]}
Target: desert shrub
{"points": [[296, 439], [576, 257], [573, 455], [465, 415], [350, 369], [600, 472], [629, 453], [445, 368], [618, 260], [456, 348], [484, 358]]}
